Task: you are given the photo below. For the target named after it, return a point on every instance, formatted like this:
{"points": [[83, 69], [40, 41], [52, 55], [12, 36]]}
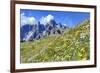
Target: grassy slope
{"points": [[72, 45]]}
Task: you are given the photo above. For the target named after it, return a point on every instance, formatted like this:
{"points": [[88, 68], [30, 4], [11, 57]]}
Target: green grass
{"points": [[73, 45]]}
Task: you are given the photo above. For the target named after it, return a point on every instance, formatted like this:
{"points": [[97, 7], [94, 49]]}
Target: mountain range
{"points": [[38, 30]]}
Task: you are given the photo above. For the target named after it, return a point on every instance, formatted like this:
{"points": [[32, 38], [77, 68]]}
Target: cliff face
{"points": [[37, 31]]}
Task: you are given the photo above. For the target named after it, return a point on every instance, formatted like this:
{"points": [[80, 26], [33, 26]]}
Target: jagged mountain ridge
{"points": [[37, 31]]}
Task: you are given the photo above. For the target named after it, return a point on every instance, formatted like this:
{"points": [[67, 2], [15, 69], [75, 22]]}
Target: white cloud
{"points": [[50, 17], [46, 19], [27, 20]]}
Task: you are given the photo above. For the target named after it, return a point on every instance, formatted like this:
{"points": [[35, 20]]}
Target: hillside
{"points": [[72, 45]]}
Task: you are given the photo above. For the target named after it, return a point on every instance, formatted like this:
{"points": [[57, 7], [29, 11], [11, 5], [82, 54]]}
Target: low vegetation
{"points": [[72, 45]]}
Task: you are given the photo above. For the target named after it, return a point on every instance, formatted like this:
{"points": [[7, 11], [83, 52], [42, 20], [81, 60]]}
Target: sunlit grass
{"points": [[73, 45]]}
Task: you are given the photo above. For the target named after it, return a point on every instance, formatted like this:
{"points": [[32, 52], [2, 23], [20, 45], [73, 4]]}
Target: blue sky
{"points": [[69, 18]]}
